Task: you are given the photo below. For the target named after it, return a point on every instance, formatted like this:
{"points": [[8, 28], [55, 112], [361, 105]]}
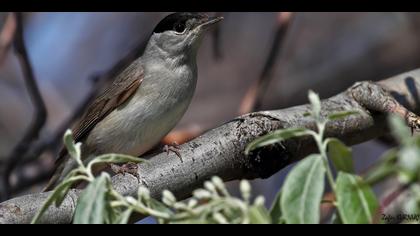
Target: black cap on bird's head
{"points": [[184, 21], [179, 34]]}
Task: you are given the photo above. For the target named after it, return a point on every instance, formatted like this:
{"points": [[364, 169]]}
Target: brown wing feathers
{"points": [[124, 86], [113, 96]]}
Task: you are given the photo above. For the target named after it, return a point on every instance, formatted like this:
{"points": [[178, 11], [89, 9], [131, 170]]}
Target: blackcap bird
{"points": [[147, 99]]}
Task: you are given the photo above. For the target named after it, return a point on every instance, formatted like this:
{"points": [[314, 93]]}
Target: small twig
{"points": [[392, 196], [217, 53], [40, 111], [387, 201], [253, 97], [6, 35]]}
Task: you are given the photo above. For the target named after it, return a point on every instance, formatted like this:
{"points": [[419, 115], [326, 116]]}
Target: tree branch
{"points": [[220, 151], [216, 46], [7, 33], [40, 113], [252, 100]]}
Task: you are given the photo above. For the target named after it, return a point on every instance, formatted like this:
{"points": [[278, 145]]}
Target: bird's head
{"points": [[181, 33]]}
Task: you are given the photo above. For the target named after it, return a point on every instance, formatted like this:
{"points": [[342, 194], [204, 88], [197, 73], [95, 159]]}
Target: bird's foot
{"points": [[174, 147], [130, 168], [413, 122]]}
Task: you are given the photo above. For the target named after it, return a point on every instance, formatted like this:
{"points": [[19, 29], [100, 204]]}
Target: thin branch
{"points": [[394, 204], [40, 111], [254, 96], [220, 151], [388, 199], [217, 52], [6, 35]]}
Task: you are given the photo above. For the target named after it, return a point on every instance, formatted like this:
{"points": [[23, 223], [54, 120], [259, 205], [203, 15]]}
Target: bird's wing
{"points": [[123, 87]]}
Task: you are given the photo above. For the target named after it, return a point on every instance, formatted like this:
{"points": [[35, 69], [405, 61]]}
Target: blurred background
{"points": [[288, 53]]}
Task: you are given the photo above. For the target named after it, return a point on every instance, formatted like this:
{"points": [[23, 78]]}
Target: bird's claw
{"points": [[174, 147], [130, 168], [413, 122]]}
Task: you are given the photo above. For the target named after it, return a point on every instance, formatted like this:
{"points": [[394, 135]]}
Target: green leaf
{"points": [[385, 168], [72, 178], [412, 205], [158, 206], [335, 218], [259, 215], [340, 155], [73, 149], [315, 103], [275, 137], [341, 115], [399, 129], [380, 173], [92, 205], [113, 158], [410, 159], [302, 191], [306, 114], [356, 202], [275, 209], [61, 192], [124, 217], [190, 221], [408, 164], [57, 196]]}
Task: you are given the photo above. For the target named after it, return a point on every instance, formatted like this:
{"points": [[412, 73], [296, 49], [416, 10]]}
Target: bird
{"points": [[146, 100]]}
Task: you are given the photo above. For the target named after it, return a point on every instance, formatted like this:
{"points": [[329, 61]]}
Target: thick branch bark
{"points": [[220, 151]]}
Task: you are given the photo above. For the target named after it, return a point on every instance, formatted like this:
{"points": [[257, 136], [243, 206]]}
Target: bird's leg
{"points": [[174, 147], [375, 98], [130, 168]]}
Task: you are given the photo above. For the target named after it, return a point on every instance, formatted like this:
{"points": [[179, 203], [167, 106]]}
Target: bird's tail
{"points": [[64, 165], [55, 179]]}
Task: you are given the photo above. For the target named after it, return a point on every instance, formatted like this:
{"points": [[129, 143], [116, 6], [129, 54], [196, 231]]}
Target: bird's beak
{"points": [[210, 21]]}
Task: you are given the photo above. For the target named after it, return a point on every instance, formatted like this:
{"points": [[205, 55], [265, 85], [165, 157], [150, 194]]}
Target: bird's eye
{"points": [[179, 27]]}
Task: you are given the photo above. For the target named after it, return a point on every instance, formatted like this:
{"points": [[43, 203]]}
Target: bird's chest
{"points": [[155, 108]]}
